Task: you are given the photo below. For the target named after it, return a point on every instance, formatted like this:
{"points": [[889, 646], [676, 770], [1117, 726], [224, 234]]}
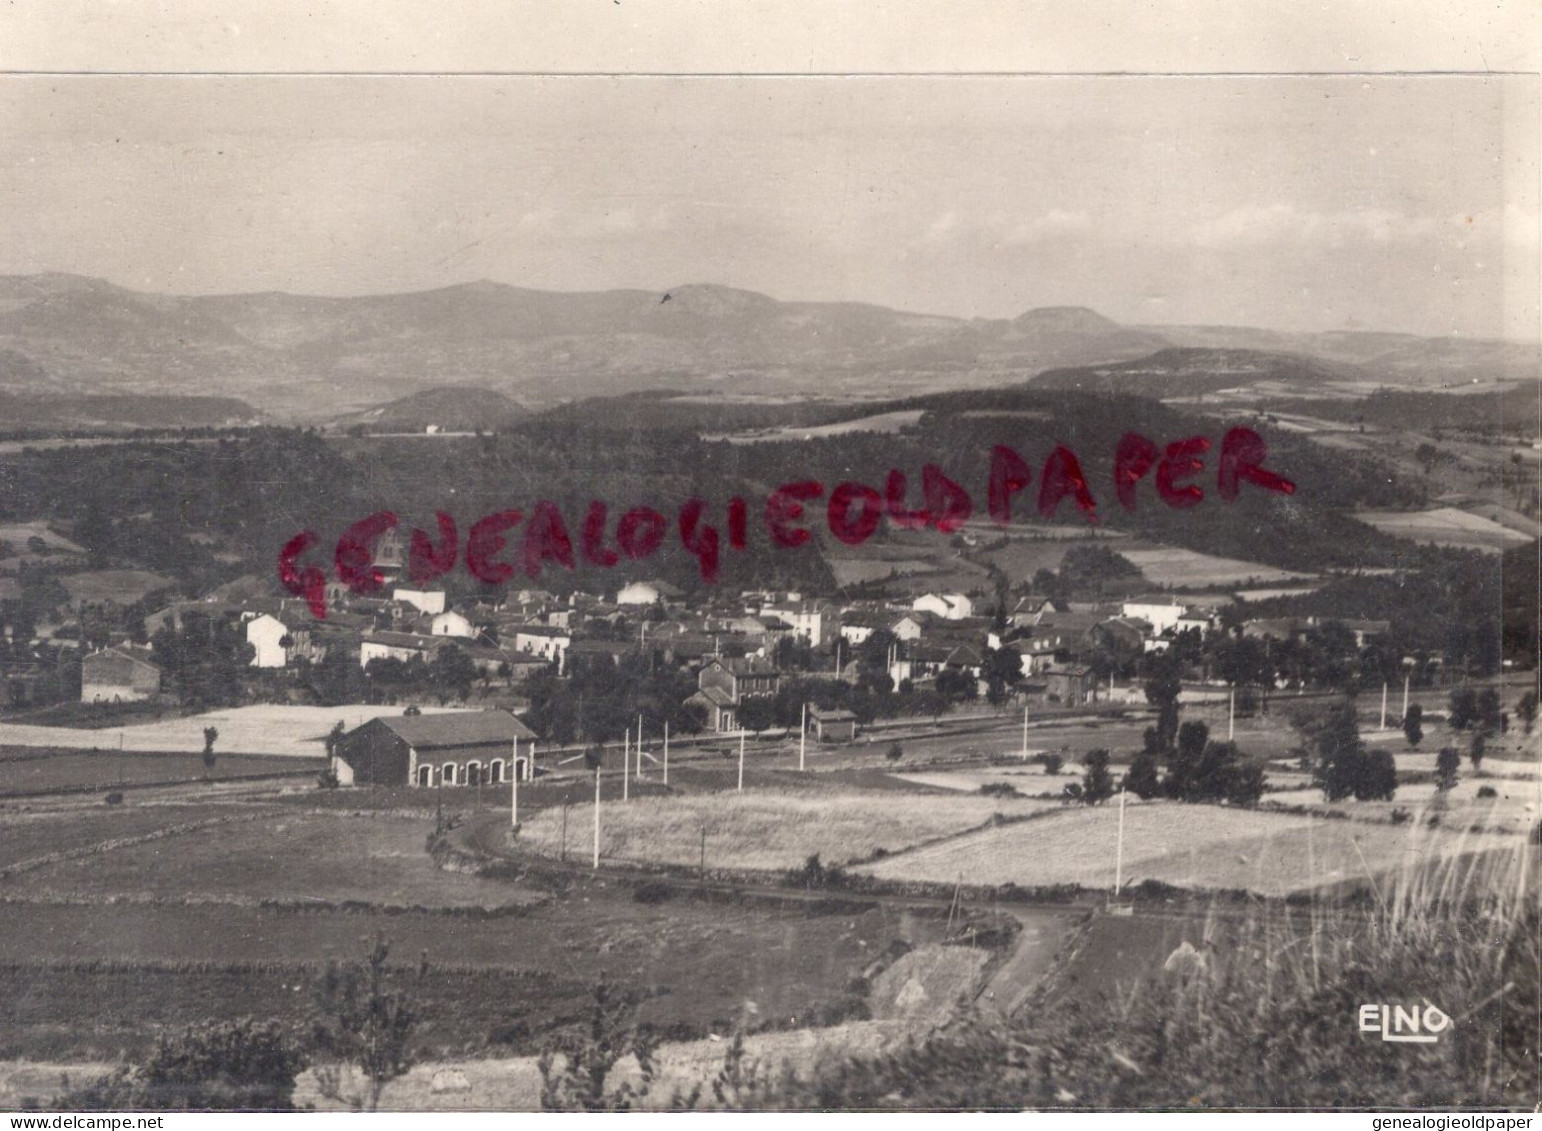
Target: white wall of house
{"points": [[375, 650], [1160, 617], [264, 634], [809, 624], [637, 593], [948, 606], [110, 693], [452, 623], [541, 644], [430, 601]]}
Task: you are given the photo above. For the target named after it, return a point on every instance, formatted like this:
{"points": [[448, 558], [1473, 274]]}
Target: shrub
{"points": [[999, 789], [652, 892], [1053, 763], [1487, 791], [114, 798], [1401, 816], [233, 1066]]}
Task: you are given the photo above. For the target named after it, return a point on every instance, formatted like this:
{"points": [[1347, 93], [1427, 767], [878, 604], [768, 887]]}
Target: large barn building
{"points": [[454, 748]]}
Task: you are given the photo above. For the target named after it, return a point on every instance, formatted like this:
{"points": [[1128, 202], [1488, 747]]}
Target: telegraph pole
{"points": [[802, 736], [741, 761], [639, 750], [1406, 677], [1383, 706], [626, 765], [666, 751], [514, 788], [1231, 713], [596, 818], [1119, 848], [1025, 734]]}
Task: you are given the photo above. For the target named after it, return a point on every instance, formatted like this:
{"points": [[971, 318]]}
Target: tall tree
{"points": [[1097, 782], [1447, 764]]}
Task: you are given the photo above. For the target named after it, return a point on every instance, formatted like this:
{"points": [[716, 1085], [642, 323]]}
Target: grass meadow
{"points": [[764, 829], [1204, 847]]}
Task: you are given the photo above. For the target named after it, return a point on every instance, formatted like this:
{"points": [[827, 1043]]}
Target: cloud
{"points": [[1054, 224], [1001, 229], [1264, 225]]}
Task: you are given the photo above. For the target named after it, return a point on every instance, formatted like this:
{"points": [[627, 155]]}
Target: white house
{"points": [[1161, 617], [266, 634], [430, 601], [647, 593], [543, 641], [807, 621], [907, 628], [451, 623], [948, 606]]}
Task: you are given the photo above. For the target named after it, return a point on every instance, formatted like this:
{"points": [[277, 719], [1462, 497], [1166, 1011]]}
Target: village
{"points": [[935, 654]]}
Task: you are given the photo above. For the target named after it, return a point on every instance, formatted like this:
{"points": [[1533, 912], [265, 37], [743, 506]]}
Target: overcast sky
{"points": [[1297, 203]]}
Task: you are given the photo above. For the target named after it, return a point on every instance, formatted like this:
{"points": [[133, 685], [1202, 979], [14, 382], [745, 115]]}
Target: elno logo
{"points": [[1419, 1024]]}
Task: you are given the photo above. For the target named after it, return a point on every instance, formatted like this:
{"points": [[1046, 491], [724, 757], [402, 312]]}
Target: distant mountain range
{"points": [[309, 358]]}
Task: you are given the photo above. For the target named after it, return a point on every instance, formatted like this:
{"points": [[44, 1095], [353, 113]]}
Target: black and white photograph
{"points": [[766, 592]]}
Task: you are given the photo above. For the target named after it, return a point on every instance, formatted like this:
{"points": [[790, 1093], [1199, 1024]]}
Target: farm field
{"points": [[1170, 566], [380, 860], [29, 835], [504, 981], [887, 422], [1445, 526], [269, 728], [69, 769], [1205, 847], [1514, 806], [118, 586], [762, 829], [17, 534]]}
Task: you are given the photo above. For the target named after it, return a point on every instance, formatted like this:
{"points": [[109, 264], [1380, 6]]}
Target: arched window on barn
{"points": [[425, 775], [449, 773], [473, 773], [495, 770]]}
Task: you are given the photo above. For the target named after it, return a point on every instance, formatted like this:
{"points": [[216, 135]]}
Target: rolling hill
{"points": [[309, 358], [1193, 371], [450, 408]]}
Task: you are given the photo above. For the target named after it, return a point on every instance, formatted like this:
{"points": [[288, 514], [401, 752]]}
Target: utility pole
{"points": [[802, 736], [741, 761], [1025, 734], [1119, 848], [639, 749], [626, 765], [514, 788], [596, 818], [1383, 706], [1406, 678], [1231, 713], [666, 751]]}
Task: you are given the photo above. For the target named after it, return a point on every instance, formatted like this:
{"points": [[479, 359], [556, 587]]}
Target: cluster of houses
{"points": [[733, 643]]}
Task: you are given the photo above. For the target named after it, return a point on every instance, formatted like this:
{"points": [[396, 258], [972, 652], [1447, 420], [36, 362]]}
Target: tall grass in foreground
{"points": [[1263, 1013]]}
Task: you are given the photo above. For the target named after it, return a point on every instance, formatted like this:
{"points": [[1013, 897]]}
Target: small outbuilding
{"points": [[833, 726]]}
